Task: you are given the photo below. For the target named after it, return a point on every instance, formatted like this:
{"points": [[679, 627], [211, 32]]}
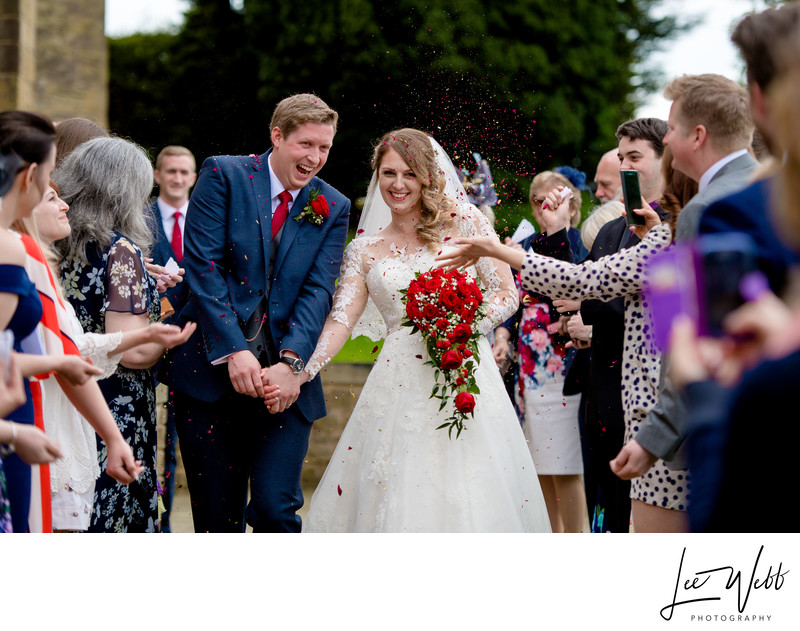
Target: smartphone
{"points": [[724, 261], [632, 195], [6, 346], [671, 290], [705, 280]]}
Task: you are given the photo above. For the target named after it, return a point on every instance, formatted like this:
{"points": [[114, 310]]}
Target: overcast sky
{"points": [[707, 48]]}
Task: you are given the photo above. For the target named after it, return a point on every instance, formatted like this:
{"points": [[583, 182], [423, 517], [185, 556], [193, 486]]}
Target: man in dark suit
{"points": [[757, 36], [710, 131], [640, 148], [175, 174], [264, 241]]}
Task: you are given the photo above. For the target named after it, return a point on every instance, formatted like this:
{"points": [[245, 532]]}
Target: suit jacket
{"points": [[162, 251], [744, 211], [227, 259], [604, 380], [729, 179], [749, 211]]}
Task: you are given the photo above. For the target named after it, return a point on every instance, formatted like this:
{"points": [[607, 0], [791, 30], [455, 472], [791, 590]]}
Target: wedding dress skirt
{"points": [[393, 471]]}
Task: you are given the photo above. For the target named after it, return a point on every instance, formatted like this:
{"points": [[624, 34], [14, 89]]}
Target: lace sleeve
{"points": [[349, 301], [609, 277], [501, 297], [127, 289], [96, 346]]}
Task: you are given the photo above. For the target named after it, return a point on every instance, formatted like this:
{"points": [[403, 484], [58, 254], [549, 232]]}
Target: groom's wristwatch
{"points": [[296, 364]]}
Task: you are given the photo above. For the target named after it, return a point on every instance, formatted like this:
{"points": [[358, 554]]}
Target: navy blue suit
{"points": [[227, 438], [161, 253], [749, 211]]}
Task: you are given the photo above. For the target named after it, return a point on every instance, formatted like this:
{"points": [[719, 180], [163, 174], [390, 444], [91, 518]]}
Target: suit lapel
{"points": [[263, 204]]}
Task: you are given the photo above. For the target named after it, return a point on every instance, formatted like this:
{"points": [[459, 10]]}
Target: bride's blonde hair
{"points": [[417, 152]]}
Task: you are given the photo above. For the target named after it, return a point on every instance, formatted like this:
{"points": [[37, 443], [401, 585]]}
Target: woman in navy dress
{"points": [[27, 145]]}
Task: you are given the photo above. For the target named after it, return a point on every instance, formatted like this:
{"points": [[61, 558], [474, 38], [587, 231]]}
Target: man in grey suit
{"points": [[710, 131]]}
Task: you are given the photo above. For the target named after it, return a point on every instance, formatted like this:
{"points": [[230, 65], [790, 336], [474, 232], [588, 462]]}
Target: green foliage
{"points": [[529, 84]]}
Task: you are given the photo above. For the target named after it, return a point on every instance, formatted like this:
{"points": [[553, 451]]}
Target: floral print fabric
{"points": [[115, 280]]}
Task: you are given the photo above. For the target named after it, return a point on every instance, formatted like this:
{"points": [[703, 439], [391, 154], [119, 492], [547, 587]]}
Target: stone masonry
{"points": [[54, 58]]}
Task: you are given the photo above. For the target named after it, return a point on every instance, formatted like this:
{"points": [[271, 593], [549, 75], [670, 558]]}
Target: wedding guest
{"points": [[575, 180], [549, 419], [720, 111], [106, 182], [659, 499], [72, 132], [576, 378], [72, 414], [607, 178], [661, 435], [29, 442], [751, 372], [710, 130], [175, 174], [641, 149], [28, 157]]}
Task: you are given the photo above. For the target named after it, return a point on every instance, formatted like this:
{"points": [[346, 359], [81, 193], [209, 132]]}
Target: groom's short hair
{"points": [[298, 109]]}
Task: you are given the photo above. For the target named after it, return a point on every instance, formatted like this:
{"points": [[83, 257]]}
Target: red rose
{"points": [[450, 359], [449, 298], [467, 316], [460, 381], [443, 344], [476, 292], [466, 352], [464, 288], [413, 311], [433, 284], [442, 324], [320, 206], [430, 311], [465, 402], [462, 332]]}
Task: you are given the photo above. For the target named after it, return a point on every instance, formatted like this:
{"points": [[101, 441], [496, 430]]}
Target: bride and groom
{"points": [[264, 246]]}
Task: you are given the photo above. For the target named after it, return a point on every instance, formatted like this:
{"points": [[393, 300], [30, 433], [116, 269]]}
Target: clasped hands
{"points": [[277, 385]]}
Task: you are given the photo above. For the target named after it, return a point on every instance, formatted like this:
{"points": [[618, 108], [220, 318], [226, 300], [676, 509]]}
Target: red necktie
{"points": [[281, 212], [177, 238]]}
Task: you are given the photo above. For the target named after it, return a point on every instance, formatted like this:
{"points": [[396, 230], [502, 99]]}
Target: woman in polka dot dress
{"points": [[660, 496]]}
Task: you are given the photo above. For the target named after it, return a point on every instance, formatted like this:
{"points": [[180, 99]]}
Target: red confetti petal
{"points": [[339, 489]]}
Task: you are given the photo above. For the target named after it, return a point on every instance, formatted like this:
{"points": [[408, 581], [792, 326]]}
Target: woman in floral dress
{"points": [[549, 419], [106, 182]]}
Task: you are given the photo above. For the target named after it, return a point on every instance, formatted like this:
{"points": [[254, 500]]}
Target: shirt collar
{"points": [[168, 211], [275, 186], [706, 178]]}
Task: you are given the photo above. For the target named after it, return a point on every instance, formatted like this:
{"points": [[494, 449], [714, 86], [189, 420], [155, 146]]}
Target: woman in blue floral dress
{"points": [[106, 182]]}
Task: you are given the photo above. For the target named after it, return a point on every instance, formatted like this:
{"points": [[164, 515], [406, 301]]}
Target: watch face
{"points": [[296, 364]]}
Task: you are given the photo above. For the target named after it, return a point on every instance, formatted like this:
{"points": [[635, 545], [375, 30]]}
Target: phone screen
{"points": [[725, 260], [632, 195]]}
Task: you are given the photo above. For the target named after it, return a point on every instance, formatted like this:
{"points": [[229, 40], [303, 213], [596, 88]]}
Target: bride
{"points": [[393, 470]]}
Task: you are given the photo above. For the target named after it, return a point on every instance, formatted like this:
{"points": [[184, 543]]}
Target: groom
{"points": [[261, 280]]}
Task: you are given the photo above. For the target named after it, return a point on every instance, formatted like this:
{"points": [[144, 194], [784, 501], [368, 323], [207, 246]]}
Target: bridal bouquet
{"points": [[442, 306]]}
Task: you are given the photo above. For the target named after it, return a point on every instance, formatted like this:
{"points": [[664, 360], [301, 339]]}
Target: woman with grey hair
{"points": [[106, 183]]}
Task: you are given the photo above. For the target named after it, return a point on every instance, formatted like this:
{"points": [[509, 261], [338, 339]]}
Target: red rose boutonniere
{"points": [[316, 210], [442, 306]]}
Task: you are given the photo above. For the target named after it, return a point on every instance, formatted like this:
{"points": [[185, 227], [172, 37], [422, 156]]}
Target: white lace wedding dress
{"points": [[392, 470]]}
